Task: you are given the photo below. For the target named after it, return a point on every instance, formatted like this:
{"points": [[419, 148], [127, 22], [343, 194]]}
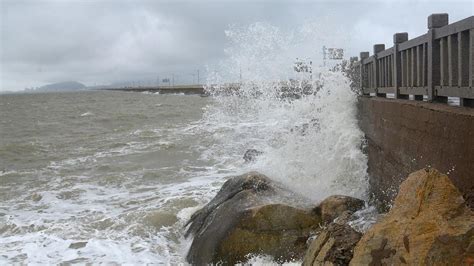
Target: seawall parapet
{"points": [[403, 136]]}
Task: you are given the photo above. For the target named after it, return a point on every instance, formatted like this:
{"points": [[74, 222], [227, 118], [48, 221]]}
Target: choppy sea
{"points": [[112, 177]]}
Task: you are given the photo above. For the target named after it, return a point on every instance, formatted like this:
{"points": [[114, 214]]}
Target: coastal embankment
{"points": [[416, 128], [403, 136]]}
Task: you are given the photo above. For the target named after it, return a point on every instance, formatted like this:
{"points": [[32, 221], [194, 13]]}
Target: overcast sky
{"points": [[100, 42]]}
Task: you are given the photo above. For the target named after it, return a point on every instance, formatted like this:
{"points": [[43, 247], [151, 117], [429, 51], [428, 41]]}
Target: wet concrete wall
{"points": [[404, 136]]}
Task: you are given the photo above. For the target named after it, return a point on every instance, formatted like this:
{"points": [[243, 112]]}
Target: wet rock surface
{"points": [[429, 224], [251, 215], [333, 246], [251, 154], [333, 206]]}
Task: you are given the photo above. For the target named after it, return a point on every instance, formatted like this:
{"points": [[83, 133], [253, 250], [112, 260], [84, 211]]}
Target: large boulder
{"points": [[251, 215], [429, 224]]}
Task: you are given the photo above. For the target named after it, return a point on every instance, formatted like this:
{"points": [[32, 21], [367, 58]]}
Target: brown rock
{"points": [[333, 206], [277, 230], [428, 224], [333, 246], [251, 215]]}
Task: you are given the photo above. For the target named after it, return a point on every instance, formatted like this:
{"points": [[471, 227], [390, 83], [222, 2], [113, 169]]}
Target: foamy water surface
{"points": [[113, 177]]}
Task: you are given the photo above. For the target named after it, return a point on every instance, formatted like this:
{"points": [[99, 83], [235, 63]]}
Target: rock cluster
{"points": [[253, 215], [429, 224]]}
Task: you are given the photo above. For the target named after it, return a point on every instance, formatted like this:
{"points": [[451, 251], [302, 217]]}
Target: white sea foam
{"points": [[87, 114], [266, 260]]}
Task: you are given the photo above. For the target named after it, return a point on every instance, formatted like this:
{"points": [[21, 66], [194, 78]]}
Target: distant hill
{"points": [[63, 86]]}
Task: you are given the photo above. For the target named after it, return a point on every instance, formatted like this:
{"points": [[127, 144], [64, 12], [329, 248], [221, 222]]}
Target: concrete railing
{"points": [[433, 66]]}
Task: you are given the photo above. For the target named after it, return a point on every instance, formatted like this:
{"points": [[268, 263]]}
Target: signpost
{"points": [[332, 54]]}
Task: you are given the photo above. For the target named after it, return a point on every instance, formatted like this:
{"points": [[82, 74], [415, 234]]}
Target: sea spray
{"points": [[303, 122]]}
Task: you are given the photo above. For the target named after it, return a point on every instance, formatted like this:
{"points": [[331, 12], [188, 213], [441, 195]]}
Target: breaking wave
{"points": [[303, 122]]}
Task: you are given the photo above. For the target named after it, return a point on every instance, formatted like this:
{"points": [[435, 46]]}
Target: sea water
{"points": [[100, 176]]}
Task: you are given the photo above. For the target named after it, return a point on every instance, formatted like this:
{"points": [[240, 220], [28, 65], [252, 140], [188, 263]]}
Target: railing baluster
{"points": [[410, 67], [418, 65], [425, 65], [404, 68], [389, 72], [413, 67], [444, 61], [453, 60], [463, 58]]}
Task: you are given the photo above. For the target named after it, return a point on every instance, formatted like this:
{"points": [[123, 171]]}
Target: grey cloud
{"points": [[108, 41]]}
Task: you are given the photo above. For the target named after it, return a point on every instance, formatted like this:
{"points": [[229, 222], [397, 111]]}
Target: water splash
{"points": [[304, 122]]}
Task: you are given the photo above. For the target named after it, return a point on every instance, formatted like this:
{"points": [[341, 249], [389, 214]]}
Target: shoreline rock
{"points": [[252, 215], [428, 224]]}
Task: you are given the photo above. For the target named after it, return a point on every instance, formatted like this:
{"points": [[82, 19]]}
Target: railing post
{"points": [[434, 21], [397, 39], [377, 48], [363, 74], [469, 68]]}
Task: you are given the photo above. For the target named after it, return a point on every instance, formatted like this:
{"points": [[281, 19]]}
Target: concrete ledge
{"points": [[404, 136]]}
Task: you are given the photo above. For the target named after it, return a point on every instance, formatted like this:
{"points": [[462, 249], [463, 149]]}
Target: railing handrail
{"points": [[432, 66]]}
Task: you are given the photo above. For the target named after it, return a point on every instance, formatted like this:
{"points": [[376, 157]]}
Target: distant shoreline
{"points": [[186, 89]]}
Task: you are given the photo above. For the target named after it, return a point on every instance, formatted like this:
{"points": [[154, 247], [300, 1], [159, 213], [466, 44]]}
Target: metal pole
{"points": [[324, 56], [240, 74]]}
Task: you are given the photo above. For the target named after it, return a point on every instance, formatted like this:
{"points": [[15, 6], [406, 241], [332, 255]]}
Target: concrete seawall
{"points": [[404, 136]]}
